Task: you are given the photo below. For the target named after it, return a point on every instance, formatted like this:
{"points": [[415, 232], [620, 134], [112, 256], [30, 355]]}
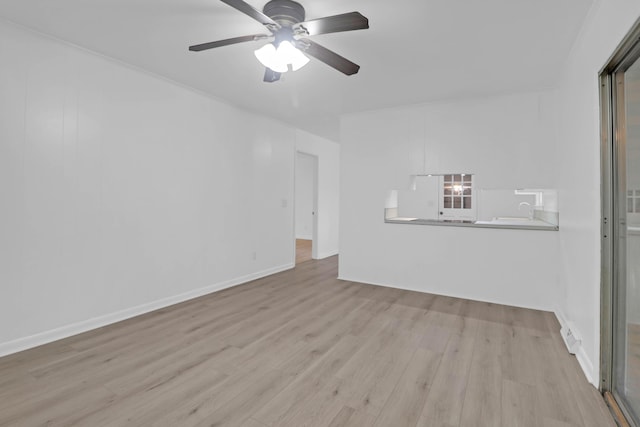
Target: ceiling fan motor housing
{"points": [[284, 12]]}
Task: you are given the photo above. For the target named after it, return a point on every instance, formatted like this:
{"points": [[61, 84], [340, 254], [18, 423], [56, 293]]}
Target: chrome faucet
{"points": [[530, 208]]}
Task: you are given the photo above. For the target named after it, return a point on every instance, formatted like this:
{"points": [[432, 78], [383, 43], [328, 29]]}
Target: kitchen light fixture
{"points": [[279, 59]]}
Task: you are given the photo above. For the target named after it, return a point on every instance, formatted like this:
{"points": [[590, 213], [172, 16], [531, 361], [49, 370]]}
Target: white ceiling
{"points": [[414, 51]]}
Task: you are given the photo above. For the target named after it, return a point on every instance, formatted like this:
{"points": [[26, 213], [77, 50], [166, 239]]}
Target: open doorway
{"points": [[306, 204]]}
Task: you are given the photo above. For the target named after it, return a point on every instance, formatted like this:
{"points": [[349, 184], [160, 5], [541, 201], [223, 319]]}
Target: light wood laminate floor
{"points": [[301, 348], [303, 250]]}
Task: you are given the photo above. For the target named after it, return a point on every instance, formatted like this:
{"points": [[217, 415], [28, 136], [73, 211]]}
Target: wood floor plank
{"points": [[302, 348], [446, 395], [245, 331], [202, 356], [518, 359], [555, 396], [519, 405], [61, 409], [327, 403], [303, 250], [26, 360], [250, 422], [371, 387], [317, 343], [342, 418], [143, 407], [218, 401], [293, 338], [594, 411], [307, 384], [435, 338], [483, 396], [404, 405], [237, 410], [349, 417]]}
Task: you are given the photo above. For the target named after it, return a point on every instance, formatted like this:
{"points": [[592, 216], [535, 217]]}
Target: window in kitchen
{"points": [[457, 196]]}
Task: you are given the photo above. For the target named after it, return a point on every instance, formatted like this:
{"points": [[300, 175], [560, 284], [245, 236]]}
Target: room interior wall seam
{"points": [[588, 21], [66, 331]]}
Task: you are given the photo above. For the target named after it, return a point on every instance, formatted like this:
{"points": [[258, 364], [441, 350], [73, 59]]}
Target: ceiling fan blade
{"points": [[226, 42], [327, 56], [254, 13], [271, 76], [333, 24]]}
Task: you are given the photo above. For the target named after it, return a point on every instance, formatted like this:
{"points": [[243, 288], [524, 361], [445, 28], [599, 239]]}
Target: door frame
{"points": [[314, 225], [610, 169]]}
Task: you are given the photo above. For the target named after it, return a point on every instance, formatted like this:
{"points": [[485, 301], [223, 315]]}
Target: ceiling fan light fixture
{"points": [[291, 55], [267, 55], [278, 59]]}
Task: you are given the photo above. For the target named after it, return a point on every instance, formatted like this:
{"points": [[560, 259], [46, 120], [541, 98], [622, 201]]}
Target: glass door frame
{"points": [[613, 202]]}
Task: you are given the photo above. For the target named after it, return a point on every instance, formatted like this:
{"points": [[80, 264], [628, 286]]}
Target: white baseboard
{"points": [[45, 337], [327, 254], [304, 237], [581, 355], [452, 295], [587, 366]]}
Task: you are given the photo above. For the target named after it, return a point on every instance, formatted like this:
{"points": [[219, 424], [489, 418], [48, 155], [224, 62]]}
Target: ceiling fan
{"points": [[285, 20]]}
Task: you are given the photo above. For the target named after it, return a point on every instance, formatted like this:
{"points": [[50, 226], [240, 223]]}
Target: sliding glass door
{"points": [[621, 230]]}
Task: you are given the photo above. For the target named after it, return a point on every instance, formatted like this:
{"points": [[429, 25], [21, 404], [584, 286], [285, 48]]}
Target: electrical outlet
{"points": [[285, 203], [254, 255]]}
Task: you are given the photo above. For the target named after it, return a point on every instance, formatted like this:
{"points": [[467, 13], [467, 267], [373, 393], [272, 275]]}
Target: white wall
{"points": [[508, 142], [578, 165], [328, 212], [304, 194], [122, 192]]}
